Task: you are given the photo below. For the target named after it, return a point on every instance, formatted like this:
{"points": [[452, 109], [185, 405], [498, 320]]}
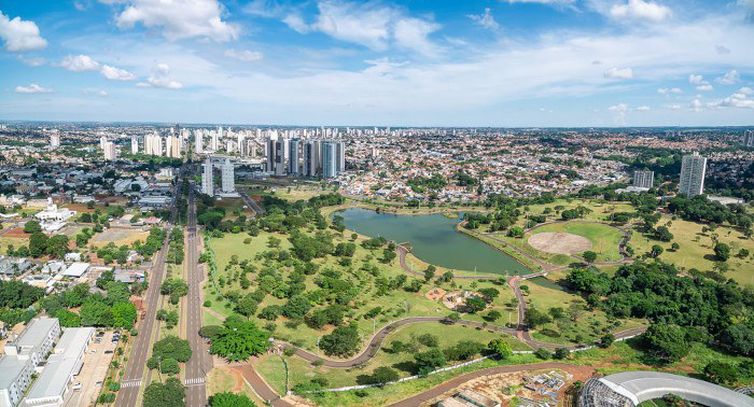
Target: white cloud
{"points": [[178, 19], [244, 55], [116, 74], [485, 20], [701, 84], [32, 61], [370, 24], [669, 91], [643, 109], [412, 33], [20, 35], [696, 105], [159, 78], [674, 107], [619, 73], [620, 111], [722, 50], [551, 2], [96, 92], [79, 63], [730, 78], [32, 88], [640, 10], [740, 99]]}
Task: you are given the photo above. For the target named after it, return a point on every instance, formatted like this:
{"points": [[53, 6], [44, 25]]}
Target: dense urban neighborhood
{"points": [[167, 265]]}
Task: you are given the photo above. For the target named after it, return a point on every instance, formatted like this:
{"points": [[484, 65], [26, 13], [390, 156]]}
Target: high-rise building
{"points": [[228, 180], [293, 157], [311, 158], [241, 144], [54, 140], [269, 153], [340, 150], [173, 147], [153, 144], [198, 141], [281, 157], [749, 138], [329, 159], [214, 144], [109, 151], [693, 168], [644, 179], [208, 183], [102, 141], [134, 145]]}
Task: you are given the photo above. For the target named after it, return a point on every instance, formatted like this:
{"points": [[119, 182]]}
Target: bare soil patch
{"points": [[559, 243]]}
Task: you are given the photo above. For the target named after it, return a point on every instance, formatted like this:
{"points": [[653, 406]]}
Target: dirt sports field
{"points": [[559, 243]]}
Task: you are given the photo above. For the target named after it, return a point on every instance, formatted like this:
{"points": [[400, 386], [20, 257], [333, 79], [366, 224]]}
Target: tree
{"points": [[606, 341], [169, 394], [383, 374], [296, 307], [228, 399], [474, 304], [463, 350], [662, 233], [430, 360], [589, 256], [210, 331], [247, 305], [95, 312], [667, 342], [535, 318], [429, 272], [67, 318], [124, 315], [32, 226], [721, 372], [500, 348], [343, 341], [38, 244], [492, 316], [675, 247], [171, 347], [722, 252], [561, 353], [656, 251], [239, 340], [516, 231], [18, 294]]}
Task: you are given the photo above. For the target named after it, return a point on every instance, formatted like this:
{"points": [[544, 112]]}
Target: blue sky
{"points": [[413, 62]]}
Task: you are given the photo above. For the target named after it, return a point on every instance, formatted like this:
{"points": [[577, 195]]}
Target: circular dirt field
{"points": [[559, 243]]}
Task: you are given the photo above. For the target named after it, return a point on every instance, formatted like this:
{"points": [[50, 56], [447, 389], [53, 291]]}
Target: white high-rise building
{"points": [[102, 141], [214, 144], [240, 142], [228, 180], [208, 182], [110, 152], [693, 169], [134, 145], [173, 147], [153, 144], [198, 141], [644, 179], [54, 139]]}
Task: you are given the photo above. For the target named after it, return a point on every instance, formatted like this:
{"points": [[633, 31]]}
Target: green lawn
{"points": [[605, 239], [697, 248]]}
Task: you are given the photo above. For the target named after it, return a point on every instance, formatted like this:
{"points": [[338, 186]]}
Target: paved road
{"points": [[252, 204], [132, 380], [451, 384], [200, 363], [374, 344], [261, 388]]}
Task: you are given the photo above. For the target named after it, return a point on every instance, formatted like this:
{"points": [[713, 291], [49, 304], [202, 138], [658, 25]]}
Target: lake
{"points": [[434, 239]]}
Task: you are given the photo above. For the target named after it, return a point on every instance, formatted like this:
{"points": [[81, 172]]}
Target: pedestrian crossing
{"points": [[130, 383], [194, 381]]}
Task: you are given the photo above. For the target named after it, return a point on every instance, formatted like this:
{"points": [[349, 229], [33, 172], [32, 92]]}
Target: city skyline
{"points": [[494, 63]]}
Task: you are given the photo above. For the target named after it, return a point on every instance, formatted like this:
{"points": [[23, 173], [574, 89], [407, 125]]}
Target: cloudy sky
{"points": [[412, 62]]}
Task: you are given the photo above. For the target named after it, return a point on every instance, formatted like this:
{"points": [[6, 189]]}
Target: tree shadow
{"points": [[407, 366]]}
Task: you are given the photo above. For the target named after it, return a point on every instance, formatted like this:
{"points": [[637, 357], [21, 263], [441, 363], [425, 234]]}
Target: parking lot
{"points": [[99, 354]]}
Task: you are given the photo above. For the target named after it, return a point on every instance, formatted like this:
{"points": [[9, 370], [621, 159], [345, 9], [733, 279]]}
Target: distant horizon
{"points": [[381, 126]]}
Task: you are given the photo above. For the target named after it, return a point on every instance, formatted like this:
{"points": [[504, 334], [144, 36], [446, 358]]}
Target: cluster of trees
{"points": [[41, 245], [228, 399], [111, 252], [167, 353], [701, 209], [111, 310], [428, 356], [681, 309], [343, 341], [175, 288], [175, 248], [423, 184], [575, 213], [18, 294], [152, 244], [168, 394]]}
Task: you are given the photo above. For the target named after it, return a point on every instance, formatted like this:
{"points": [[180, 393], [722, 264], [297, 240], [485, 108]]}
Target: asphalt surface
{"points": [[261, 388], [132, 381], [252, 204], [200, 363]]}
